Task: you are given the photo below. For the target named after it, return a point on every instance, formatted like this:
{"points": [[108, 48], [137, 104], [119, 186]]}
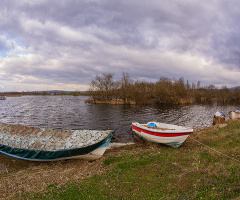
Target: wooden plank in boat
{"points": [[161, 128]]}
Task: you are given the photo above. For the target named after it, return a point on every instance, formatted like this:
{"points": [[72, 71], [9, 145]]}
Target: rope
{"points": [[214, 150]]}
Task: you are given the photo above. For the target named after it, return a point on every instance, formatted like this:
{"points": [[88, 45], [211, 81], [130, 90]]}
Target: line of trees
{"points": [[104, 89]]}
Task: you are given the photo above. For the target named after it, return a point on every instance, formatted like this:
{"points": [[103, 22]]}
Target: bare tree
{"points": [[126, 85], [103, 86], [198, 85]]}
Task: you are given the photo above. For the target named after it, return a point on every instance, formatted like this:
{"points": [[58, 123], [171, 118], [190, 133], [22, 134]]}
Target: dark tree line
{"points": [[103, 89]]}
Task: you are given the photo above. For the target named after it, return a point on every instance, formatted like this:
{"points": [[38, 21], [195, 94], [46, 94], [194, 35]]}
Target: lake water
{"points": [[69, 112]]}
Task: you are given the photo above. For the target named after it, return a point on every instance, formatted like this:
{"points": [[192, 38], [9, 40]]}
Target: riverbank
{"points": [[181, 101], [205, 166], [112, 102]]}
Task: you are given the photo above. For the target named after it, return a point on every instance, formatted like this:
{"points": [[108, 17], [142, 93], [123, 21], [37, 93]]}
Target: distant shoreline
{"points": [[20, 95]]}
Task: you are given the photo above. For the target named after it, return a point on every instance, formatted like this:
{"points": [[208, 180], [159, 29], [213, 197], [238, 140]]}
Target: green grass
{"points": [[154, 171]]}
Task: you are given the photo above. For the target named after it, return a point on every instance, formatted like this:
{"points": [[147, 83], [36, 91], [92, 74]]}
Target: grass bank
{"points": [[140, 171]]}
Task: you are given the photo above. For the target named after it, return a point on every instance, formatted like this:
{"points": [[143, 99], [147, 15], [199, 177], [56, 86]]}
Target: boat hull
{"points": [[12, 143], [171, 137], [234, 115]]}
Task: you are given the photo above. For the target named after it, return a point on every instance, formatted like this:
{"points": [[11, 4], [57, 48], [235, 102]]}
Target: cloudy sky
{"points": [[63, 44]]}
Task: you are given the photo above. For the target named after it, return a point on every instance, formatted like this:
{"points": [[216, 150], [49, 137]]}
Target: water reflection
{"points": [[68, 112]]}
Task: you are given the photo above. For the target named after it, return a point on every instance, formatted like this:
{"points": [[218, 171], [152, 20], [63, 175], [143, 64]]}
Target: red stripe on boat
{"points": [[160, 134]]}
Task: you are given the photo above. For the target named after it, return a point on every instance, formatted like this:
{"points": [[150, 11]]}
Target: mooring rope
{"points": [[214, 149]]}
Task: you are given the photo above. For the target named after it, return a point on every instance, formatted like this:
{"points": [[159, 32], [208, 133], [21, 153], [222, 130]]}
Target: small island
{"points": [[104, 89]]}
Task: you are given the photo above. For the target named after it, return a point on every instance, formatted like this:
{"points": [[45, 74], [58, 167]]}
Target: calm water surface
{"points": [[69, 112]]}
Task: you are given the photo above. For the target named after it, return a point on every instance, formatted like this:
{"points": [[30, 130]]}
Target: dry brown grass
{"points": [[17, 175], [34, 177]]}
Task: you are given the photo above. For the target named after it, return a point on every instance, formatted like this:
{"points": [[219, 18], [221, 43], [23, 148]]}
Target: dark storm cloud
{"points": [[70, 41]]}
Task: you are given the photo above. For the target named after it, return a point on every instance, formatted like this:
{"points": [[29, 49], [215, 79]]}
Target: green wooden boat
{"points": [[44, 144]]}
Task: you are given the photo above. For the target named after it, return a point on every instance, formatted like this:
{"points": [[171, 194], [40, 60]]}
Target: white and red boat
{"points": [[168, 134], [234, 114]]}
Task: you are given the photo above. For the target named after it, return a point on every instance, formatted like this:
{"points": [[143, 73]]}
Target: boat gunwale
{"points": [[164, 131]]}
